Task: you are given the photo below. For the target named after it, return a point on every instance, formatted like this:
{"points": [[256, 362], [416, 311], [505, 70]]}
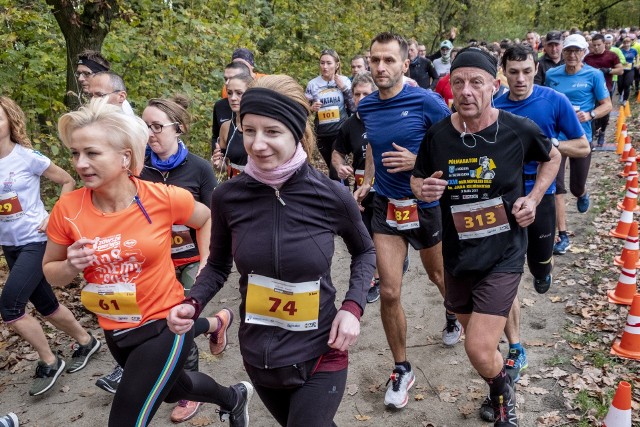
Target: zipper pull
{"points": [[278, 197]]}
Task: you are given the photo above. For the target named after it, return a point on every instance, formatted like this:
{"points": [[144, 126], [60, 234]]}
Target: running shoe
{"points": [[452, 331], [601, 139], [516, 362], [218, 338], [405, 265], [46, 376], [9, 420], [82, 353], [583, 203], [562, 246], [486, 410], [373, 294], [504, 408], [110, 383], [398, 385], [543, 285], [239, 416], [185, 410]]}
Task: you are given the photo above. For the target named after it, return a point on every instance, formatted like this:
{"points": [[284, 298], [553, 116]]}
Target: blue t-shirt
{"points": [[552, 112], [584, 89], [403, 119]]}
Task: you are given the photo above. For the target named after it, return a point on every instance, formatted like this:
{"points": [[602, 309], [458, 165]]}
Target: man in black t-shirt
{"points": [[472, 163], [352, 139]]}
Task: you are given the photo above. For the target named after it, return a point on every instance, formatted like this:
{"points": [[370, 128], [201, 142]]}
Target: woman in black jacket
{"points": [[277, 221]]}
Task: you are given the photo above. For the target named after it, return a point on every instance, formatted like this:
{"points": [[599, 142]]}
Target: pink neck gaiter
{"points": [[278, 176]]}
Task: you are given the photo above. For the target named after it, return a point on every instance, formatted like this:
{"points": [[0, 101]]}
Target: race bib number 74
{"points": [[291, 306]]}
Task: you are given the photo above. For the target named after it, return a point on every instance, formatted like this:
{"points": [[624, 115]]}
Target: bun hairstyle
{"points": [[176, 109], [287, 86], [122, 131]]}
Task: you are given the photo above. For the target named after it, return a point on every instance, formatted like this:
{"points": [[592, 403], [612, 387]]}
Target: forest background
{"points": [[163, 47]]}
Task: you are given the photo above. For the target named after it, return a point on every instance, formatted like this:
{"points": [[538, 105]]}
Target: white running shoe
{"points": [[397, 395]]}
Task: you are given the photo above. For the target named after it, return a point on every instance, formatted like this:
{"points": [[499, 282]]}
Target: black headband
{"points": [[92, 65], [269, 103], [476, 58]]}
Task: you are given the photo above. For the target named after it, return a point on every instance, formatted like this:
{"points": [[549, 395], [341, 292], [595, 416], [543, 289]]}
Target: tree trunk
{"points": [[86, 30]]}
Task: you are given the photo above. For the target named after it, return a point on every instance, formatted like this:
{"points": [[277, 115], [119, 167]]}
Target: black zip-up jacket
{"points": [[545, 64], [422, 71], [286, 235], [195, 175]]}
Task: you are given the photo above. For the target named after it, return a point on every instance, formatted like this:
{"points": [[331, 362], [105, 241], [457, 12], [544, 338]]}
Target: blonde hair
{"points": [[123, 131], [17, 122], [287, 86]]}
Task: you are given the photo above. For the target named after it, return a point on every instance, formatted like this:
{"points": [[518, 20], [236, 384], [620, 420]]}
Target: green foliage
{"points": [[181, 46]]}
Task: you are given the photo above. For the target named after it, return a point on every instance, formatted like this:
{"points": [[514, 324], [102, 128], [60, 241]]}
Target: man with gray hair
{"points": [[110, 85]]}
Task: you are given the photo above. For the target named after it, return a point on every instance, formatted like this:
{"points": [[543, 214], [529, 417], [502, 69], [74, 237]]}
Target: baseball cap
{"points": [[446, 44], [608, 37], [575, 40], [553, 37], [243, 53]]}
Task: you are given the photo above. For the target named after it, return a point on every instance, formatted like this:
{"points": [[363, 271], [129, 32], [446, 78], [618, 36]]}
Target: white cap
{"points": [[608, 37], [575, 40]]}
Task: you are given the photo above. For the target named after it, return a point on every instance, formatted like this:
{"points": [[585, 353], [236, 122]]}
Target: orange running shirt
{"points": [[131, 253]]}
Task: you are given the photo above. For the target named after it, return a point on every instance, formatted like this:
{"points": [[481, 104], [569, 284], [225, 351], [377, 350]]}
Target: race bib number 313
{"points": [[481, 219], [291, 306]]}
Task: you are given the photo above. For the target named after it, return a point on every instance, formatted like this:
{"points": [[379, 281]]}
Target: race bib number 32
{"points": [[291, 306], [481, 219], [403, 214]]}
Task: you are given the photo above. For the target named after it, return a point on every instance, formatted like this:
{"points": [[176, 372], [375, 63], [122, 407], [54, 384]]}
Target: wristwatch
{"points": [[593, 114], [555, 142]]}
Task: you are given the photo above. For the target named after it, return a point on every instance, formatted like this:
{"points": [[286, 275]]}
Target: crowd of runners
{"points": [[460, 154]]}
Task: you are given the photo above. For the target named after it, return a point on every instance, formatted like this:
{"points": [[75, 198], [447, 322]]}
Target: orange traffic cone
{"points": [[626, 288], [629, 345], [630, 201], [624, 224], [619, 414], [622, 113], [621, 139], [631, 247], [627, 148], [627, 109], [619, 124], [638, 97], [630, 165]]}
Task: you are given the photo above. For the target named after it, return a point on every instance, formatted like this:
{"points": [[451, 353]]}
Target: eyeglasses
{"points": [[100, 94], [572, 51], [85, 74], [157, 127]]}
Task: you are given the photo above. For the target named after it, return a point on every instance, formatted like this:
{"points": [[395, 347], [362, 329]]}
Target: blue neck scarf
{"points": [[173, 161]]}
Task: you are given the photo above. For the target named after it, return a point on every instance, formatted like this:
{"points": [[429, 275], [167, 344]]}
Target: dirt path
{"points": [[447, 391]]}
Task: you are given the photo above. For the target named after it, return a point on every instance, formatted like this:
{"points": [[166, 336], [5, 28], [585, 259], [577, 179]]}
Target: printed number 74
{"points": [[289, 307]]}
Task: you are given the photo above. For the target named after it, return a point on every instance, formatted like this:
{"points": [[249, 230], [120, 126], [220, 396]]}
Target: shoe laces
{"points": [[452, 325], [395, 378], [115, 375], [183, 403]]}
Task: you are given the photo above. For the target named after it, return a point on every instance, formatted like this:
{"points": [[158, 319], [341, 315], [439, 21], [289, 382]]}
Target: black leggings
{"points": [[625, 81], [325, 147], [26, 283], [314, 403], [541, 236], [153, 357], [577, 175]]}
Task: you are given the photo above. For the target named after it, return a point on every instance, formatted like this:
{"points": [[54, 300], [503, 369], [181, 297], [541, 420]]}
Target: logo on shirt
{"points": [[485, 171], [8, 182], [405, 113]]}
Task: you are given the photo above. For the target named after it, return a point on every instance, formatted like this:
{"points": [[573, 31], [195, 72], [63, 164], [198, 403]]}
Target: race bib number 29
{"points": [[291, 306]]}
